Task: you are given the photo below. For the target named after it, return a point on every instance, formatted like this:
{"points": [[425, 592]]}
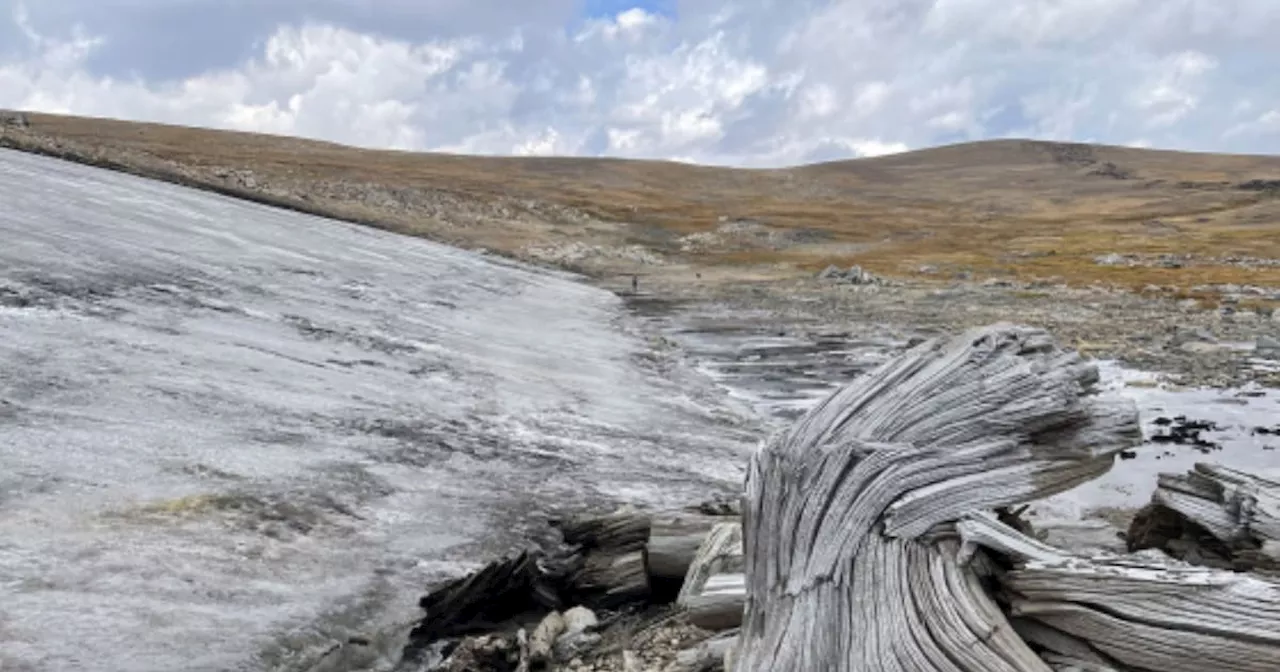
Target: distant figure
{"points": [[635, 284]]}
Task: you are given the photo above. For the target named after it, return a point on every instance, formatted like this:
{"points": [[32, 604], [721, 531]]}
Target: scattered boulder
{"points": [[579, 619], [495, 653], [856, 275], [831, 273], [579, 634], [544, 638], [1184, 336], [1113, 259], [1267, 347]]}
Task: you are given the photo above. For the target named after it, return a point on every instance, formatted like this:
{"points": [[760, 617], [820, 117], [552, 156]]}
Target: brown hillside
{"points": [[1009, 207]]}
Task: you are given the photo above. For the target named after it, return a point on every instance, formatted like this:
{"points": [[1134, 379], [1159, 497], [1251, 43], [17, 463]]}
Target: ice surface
{"points": [[229, 433]]}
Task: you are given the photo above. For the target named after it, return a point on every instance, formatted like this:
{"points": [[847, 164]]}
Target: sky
{"points": [[728, 82]]}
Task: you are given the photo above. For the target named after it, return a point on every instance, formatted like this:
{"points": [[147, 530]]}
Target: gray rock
{"points": [[1197, 335], [1267, 347], [579, 619], [858, 276], [830, 273], [569, 646], [1202, 348]]}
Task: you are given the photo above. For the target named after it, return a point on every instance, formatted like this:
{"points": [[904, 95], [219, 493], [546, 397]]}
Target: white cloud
{"points": [[750, 82], [1174, 92]]}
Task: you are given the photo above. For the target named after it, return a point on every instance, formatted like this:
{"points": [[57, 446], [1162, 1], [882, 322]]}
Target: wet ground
{"points": [[230, 433]]}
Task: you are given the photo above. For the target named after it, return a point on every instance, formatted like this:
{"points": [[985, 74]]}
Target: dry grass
{"points": [[1010, 208]]}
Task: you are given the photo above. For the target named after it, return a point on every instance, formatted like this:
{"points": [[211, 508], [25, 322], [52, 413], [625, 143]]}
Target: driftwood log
{"points": [[1213, 516], [714, 591], [845, 566], [610, 580], [670, 538], [674, 540], [1136, 612]]}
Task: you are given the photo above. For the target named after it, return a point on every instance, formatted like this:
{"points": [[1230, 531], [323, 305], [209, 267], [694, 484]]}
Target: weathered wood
{"points": [[720, 603], [674, 539], [610, 580], [848, 564], [498, 593], [617, 532], [1213, 516], [714, 591], [1135, 612]]}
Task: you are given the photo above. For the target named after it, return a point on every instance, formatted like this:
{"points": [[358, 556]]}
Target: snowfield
{"points": [[230, 434]]}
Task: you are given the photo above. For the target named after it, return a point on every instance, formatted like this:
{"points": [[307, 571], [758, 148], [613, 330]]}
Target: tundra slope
{"points": [[228, 432]]}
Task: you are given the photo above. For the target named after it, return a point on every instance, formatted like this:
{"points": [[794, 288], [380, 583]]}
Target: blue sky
{"points": [[608, 8], [739, 82]]}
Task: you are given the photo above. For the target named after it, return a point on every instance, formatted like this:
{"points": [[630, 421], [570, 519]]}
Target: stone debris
{"points": [[856, 275], [1267, 347]]}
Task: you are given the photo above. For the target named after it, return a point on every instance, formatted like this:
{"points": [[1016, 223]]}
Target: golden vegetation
{"points": [[1006, 208]]}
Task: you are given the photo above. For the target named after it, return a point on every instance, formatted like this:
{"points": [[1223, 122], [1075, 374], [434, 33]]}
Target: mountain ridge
{"points": [[1029, 210]]}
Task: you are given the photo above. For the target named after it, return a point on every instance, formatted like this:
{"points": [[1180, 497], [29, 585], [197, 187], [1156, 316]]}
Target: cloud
{"points": [[742, 82]]}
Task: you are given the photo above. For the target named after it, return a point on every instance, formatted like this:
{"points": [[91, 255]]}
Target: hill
{"points": [[1028, 210]]}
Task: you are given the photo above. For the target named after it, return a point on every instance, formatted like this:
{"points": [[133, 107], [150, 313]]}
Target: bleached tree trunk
{"points": [[1213, 516], [674, 539], [848, 564], [1134, 612], [714, 589]]}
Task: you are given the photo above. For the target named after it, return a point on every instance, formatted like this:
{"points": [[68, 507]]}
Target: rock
{"points": [[1197, 335], [630, 662], [858, 276], [544, 637], [577, 636], [1267, 347], [1188, 304], [572, 645], [579, 619], [1112, 259], [1202, 348], [488, 652], [830, 273]]}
